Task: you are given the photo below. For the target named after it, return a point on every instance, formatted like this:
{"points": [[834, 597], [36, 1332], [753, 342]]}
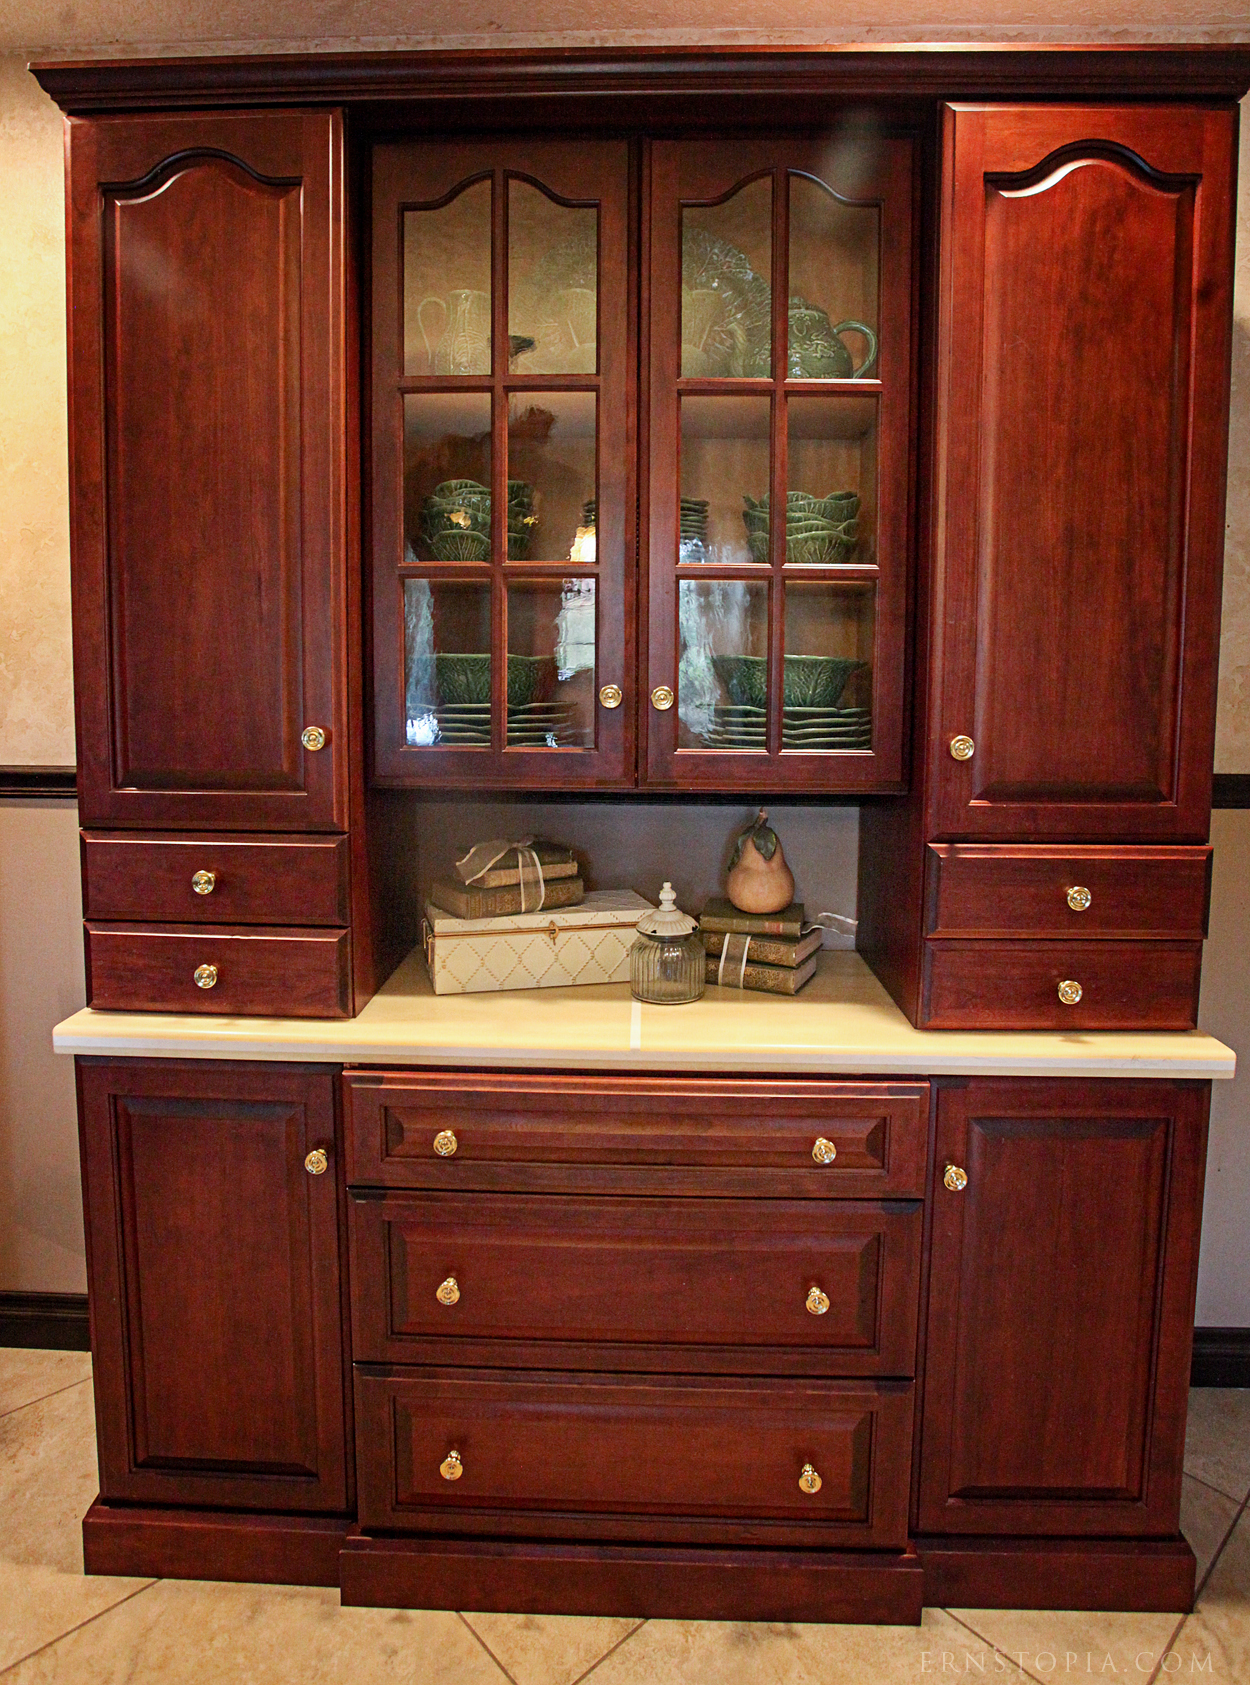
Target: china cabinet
{"points": [[431, 416]]}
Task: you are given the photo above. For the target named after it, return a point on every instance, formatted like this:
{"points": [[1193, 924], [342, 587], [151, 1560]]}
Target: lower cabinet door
{"points": [[1060, 1306], [213, 1261], [675, 1459]]}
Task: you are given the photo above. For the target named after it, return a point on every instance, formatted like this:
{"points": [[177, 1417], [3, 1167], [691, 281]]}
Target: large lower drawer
{"points": [[215, 880], [695, 1135], [634, 1457], [1060, 985], [747, 1286], [242, 970]]}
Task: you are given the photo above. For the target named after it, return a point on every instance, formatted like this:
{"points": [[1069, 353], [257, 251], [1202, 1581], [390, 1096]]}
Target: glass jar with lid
{"points": [[668, 962]]}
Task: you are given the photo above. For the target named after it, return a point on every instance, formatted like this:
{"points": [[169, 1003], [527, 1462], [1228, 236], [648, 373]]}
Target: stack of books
{"points": [[497, 892], [774, 952]]}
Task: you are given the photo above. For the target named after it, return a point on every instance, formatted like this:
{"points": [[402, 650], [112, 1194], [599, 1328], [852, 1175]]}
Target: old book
{"points": [[768, 979], [555, 860], [720, 914], [467, 901], [767, 950]]}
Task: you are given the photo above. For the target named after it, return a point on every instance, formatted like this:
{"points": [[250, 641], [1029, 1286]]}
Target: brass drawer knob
{"points": [[1070, 991], [204, 883], [448, 1292], [451, 1468], [817, 1302], [662, 698], [962, 748], [313, 737], [955, 1178], [824, 1152], [205, 976], [809, 1480], [317, 1162], [1079, 898], [445, 1143], [611, 696]]}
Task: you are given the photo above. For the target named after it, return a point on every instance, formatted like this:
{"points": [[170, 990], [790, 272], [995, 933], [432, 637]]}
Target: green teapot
{"points": [[816, 348]]}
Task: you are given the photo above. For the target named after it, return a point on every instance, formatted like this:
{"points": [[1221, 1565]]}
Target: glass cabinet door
{"points": [[502, 486], [780, 284]]}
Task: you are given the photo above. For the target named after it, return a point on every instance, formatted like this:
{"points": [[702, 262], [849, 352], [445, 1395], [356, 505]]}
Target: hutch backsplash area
{"points": [[603, 446]]}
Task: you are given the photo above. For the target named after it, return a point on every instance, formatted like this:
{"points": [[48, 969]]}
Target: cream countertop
{"points": [[843, 1022]]}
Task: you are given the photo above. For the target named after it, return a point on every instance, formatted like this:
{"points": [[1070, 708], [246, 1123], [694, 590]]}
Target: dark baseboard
{"points": [[1221, 1358], [1231, 789], [61, 781], [53, 1321]]}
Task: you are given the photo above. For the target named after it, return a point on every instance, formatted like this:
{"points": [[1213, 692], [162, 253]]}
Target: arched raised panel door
{"points": [[1083, 386], [209, 439]]}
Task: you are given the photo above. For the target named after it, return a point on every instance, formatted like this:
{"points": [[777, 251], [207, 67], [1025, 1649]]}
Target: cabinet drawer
{"points": [[665, 1460], [974, 890], [255, 880], [1015, 985], [708, 1284], [636, 1134], [259, 972]]}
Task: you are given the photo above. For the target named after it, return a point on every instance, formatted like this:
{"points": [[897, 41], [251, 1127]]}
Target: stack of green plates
{"points": [[741, 726], [546, 725]]}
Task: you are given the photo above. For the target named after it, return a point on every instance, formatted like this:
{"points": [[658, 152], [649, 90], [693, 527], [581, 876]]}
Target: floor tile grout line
{"points": [[70, 1631], [1219, 1551], [461, 1616], [1006, 1654], [624, 1639], [44, 1396], [1212, 1487], [1163, 1654]]}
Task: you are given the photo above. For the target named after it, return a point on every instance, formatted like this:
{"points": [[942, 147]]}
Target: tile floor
{"points": [[58, 1625]]}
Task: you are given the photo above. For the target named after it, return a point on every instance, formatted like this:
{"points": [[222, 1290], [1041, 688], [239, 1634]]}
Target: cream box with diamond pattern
{"points": [[588, 943]]}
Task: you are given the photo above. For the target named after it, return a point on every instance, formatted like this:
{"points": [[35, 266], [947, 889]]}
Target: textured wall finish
{"points": [[1232, 730]]}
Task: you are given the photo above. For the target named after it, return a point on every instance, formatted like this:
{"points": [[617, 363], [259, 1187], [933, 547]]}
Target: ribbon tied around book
{"points": [[733, 958], [486, 855]]}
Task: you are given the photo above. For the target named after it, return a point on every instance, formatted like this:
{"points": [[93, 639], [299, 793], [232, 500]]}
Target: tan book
{"points": [[555, 860], [720, 914], [768, 979], [467, 901], [767, 950]]}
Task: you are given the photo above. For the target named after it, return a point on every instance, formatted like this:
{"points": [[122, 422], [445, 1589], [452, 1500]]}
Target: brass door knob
{"points": [[448, 1292], [955, 1178], [809, 1480], [205, 976], [817, 1302], [317, 1162], [824, 1152], [962, 748], [662, 698], [445, 1143], [204, 883], [1070, 991], [451, 1468], [611, 696], [313, 737], [1079, 898]]}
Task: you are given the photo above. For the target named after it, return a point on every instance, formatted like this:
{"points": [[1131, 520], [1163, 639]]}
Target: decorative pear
{"points": [[759, 880]]}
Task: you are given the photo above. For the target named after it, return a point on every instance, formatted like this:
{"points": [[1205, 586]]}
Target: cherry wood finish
{"points": [[213, 1269], [259, 879], [984, 985], [207, 441], [182, 1544], [261, 972], [1061, 1304], [656, 1284], [1014, 890], [660, 1461], [581, 1133], [1144, 1574], [1078, 637]]}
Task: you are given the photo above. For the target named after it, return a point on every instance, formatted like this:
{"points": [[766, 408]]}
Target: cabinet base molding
{"points": [[1138, 1575], [675, 1584], [175, 1544]]}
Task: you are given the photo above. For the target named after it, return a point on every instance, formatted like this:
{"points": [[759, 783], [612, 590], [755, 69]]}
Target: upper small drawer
{"points": [[1075, 893], [215, 880], [595, 1134]]}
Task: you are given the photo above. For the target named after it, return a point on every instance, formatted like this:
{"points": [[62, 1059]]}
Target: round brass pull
{"points": [[817, 1302], [205, 976], [445, 1143], [204, 883], [317, 1162], [824, 1152], [955, 1178], [809, 1480], [1070, 991], [1079, 898], [962, 748], [662, 698], [451, 1468], [611, 696], [313, 737], [448, 1292]]}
